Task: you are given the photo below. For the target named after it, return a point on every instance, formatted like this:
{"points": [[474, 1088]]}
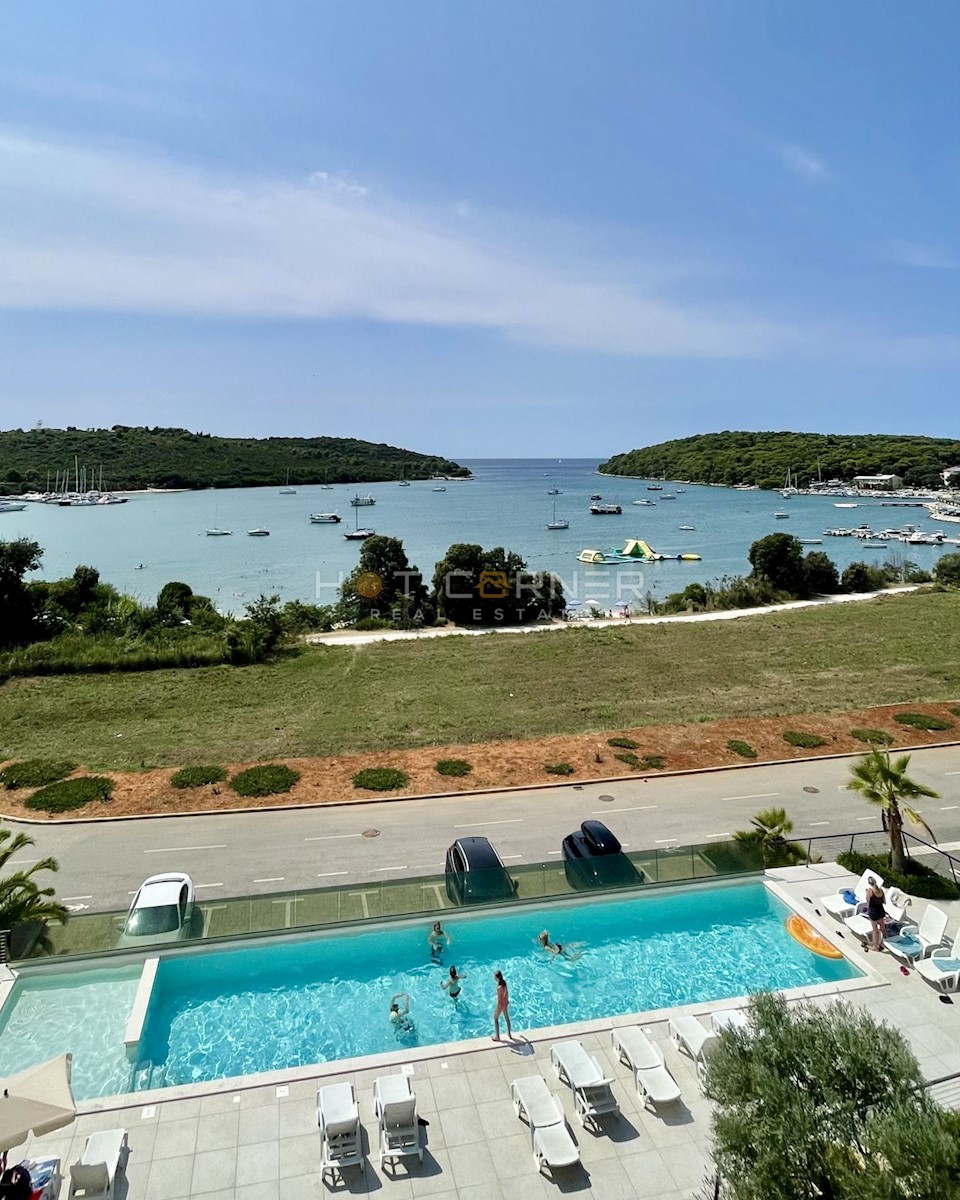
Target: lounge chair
{"points": [[915, 943], [94, 1175], [396, 1109], [654, 1082], [339, 1121], [689, 1035], [896, 906], [942, 968], [592, 1092], [534, 1103], [840, 905], [729, 1018]]}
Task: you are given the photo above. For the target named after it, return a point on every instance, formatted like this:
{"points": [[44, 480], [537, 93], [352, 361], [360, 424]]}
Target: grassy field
{"points": [[392, 695]]}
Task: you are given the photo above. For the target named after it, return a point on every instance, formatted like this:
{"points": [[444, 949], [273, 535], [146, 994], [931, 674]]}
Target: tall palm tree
{"points": [[884, 781], [769, 831], [22, 900]]}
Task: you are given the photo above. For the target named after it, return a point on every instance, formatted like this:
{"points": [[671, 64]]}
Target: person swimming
{"points": [[452, 985], [400, 1017], [573, 950], [437, 939]]}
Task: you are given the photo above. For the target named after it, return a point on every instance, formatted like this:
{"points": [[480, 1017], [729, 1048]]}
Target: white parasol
{"points": [[37, 1101]]}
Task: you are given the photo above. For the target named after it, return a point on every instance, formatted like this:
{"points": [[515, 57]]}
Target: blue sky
{"points": [[481, 228]]}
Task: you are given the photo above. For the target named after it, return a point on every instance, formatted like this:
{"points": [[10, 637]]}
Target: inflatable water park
{"points": [[634, 550]]}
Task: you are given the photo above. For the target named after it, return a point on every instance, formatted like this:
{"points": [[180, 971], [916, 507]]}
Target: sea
{"points": [[157, 537]]}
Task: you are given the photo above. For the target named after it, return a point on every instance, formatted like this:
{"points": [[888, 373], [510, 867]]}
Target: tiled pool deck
{"points": [[261, 1142]]}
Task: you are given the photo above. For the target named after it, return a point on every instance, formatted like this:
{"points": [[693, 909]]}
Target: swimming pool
{"points": [[279, 1004]]}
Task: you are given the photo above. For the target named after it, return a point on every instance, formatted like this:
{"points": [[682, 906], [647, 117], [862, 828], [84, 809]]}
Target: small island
{"points": [[133, 458], [764, 459]]}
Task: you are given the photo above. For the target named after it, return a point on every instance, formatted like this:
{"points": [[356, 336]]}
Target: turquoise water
{"points": [[505, 505], [288, 1004]]}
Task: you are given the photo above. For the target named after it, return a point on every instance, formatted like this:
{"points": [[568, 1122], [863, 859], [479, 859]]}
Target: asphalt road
{"points": [[103, 863]]}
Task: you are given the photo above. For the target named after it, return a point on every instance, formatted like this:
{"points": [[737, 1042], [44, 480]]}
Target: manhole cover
{"points": [[371, 833], [812, 791], [607, 799]]}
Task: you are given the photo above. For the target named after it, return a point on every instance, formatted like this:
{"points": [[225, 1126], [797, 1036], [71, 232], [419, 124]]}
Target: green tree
{"points": [[778, 560], [769, 832], [473, 586], [884, 781], [947, 570], [22, 901], [821, 575], [825, 1104], [173, 603], [17, 603], [862, 577], [384, 584]]}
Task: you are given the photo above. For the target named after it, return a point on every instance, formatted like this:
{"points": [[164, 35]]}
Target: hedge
{"points": [[35, 772], [922, 721], [456, 767], [558, 768], [194, 777], [267, 780], [918, 879], [624, 743], [380, 779], [873, 737], [651, 762], [744, 749], [71, 793], [806, 741]]}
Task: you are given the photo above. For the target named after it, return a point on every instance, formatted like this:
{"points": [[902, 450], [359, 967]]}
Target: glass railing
{"points": [[379, 900]]}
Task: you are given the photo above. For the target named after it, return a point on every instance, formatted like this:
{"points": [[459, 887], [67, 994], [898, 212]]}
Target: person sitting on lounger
{"points": [[571, 950]]}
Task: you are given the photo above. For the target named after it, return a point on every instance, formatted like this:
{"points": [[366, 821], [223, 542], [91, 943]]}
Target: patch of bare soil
{"points": [[688, 747]]}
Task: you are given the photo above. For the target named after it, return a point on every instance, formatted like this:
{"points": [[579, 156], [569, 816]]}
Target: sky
{"points": [[479, 228]]}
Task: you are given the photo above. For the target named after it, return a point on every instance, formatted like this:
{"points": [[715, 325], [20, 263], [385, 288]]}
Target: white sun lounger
{"points": [[896, 905], [94, 1175], [942, 968], [915, 943], [729, 1018], [689, 1035], [654, 1082], [339, 1121], [396, 1109], [534, 1103], [840, 907], [592, 1092]]}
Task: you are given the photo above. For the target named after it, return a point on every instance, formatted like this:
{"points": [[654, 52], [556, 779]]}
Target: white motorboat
{"points": [[844, 504], [258, 533], [219, 532], [781, 516], [9, 506], [330, 518], [648, 503], [439, 488], [553, 491], [687, 528], [605, 510], [362, 501]]}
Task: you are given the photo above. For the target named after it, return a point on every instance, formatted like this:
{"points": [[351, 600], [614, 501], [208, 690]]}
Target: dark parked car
{"points": [[594, 858], [476, 874]]}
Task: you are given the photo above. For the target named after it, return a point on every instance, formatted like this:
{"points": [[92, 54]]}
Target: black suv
{"points": [[594, 858], [476, 874]]}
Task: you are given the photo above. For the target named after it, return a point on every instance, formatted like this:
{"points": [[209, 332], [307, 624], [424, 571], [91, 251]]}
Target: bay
{"points": [[505, 504]]}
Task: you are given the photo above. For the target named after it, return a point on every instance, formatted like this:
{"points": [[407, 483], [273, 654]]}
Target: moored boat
{"points": [[359, 501], [328, 518]]}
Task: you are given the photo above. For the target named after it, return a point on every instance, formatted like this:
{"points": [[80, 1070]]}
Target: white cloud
{"points": [[801, 161], [916, 254]]}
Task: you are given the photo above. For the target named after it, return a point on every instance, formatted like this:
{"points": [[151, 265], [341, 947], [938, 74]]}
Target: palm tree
{"points": [[22, 900], [769, 831], [885, 782]]}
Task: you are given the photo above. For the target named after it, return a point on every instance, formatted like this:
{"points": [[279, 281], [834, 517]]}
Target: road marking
{"points": [[726, 833], [272, 879], [476, 824], [182, 849], [755, 796], [951, 772], [327, 874], [602, 812], [554, 851], [506, 856], [866, 818], [332, 837], [663, 841], [65, 899], [946, 807], [200, 885], [404, 867], [812, 823]]}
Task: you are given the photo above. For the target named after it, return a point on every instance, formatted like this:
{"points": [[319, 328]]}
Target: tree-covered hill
{"points": [[134, 457], [764, 458]]}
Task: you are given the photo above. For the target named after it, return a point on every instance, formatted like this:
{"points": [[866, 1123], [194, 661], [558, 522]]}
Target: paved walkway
{"points": [[260, 1142]]}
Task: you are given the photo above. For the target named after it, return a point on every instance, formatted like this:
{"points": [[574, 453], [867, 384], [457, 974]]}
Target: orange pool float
{"points": [[807, 936]]}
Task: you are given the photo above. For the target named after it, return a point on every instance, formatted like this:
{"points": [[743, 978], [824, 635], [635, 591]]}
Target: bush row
{"points": [[918, 879]]}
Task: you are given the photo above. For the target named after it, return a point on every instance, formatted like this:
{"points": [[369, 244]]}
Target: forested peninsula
{"points": [[764, 458], [133, 457]]}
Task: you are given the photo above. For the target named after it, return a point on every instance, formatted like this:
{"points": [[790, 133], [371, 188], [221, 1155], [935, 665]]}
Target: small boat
{"points": [[553, 492], [358, 535], [810, 541], [668, 496], [331, 518], [654, 487], [606, 510], [219, 532], [287, 490], [647, 503], [9, 506], [871, 545], [557, 522], [681, 489], [781, 516], [596, 496], [401, 482], [439, 488], [258, 532], [363, 501], [687, 528], [844, 504]]}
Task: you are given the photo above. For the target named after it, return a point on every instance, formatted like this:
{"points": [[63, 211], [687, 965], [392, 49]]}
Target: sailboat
{"points": [[287, 490], [789, 489], [358, 534], [403, 482], [326, 486], [557, 523]]}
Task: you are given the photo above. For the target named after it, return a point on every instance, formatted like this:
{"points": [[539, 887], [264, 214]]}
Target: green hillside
{"points": [[134, 457], [764, 458]]}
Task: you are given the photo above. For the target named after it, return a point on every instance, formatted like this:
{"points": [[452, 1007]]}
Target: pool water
{"points": [[277, 1004]]}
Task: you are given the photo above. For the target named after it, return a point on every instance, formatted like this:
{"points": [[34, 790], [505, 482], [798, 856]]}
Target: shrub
{"points": [[744, 749], [380, 779], [194, 777], [806, 741], [651, 762], [624, 743], [35, 772], [267, 780], [71, 793], [629, 758], [956, 711], [922, 721], [456, 767], [873, 737], [558, 768], [917, 880]]}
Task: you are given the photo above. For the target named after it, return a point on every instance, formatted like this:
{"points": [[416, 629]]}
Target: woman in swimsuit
{"points": [[570, 951], [452, 985], [437, 938], [876, 913], [400, 1017], [503, 1007]]}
